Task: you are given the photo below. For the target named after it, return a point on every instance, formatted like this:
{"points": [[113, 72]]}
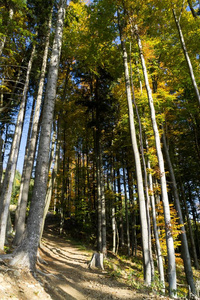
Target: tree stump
{"points": [[96, 261]]}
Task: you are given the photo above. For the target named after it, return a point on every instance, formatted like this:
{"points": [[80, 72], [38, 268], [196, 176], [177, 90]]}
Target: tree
{"points": [[143, 217], [26, 253], [169, 237], [187, 58], [28, 165], [12, 163]]}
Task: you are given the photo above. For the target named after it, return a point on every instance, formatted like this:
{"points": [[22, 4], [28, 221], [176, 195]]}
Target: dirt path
{"points": [[64, 276], [69, 277]]}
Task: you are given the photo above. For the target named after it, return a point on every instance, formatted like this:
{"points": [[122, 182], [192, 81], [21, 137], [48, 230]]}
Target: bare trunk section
{"points": [[192, 9], [155, 230], [26, 253], [121, 223], [54, 153], [113, 217], [12, 162], [103, 214], [187, 56], [142, 204], [127, 217], [145, 173], [24, 167], [184, 243], [169, 237], [27, 170]]}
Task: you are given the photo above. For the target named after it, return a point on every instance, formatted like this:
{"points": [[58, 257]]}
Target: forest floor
{"points": [[65, 276]]}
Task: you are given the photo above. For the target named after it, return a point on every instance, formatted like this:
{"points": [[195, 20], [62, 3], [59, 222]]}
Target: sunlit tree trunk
{"points": [[27, 170], [184, 243], [119, 197], [26, 253], [155, 228], [140, 188], [169, 237], [132, 214], [144, 171], [12, 162], [24, 168], [126, 212], [51, 183], [103, 212], [187, 58]]}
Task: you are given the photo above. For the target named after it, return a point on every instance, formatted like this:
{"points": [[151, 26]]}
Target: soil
{"points": [[63, 274]]}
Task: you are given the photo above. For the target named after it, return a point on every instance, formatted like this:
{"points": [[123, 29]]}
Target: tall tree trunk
{"points": [[186, 56], [12, 162], [192, 9], [121, 223], [24, 168], [142, 204], [169, 237], [3, 153], [103, 211], [27, 170], [145, 173], [99, 206], [126, 212], [26, 253], [133, 214], [155, 228], [54, 153], [184, 243]]}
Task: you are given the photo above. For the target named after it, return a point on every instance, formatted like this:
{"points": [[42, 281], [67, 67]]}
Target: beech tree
{"points": [[26, 252]]}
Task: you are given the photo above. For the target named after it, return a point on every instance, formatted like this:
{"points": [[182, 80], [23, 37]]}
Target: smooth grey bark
{"points": [[98, 177], [114, 210], [144, 172], [27, 169], [120, 205], [165, 200], [25, 254], [187, 58], [126, 213], [155, 230], [103, 215], [140, 188], [155, 227], [3, 153], [12, 162], [184, 243], [51, 183], [23, 171], [132, 214], [101, 208]]}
